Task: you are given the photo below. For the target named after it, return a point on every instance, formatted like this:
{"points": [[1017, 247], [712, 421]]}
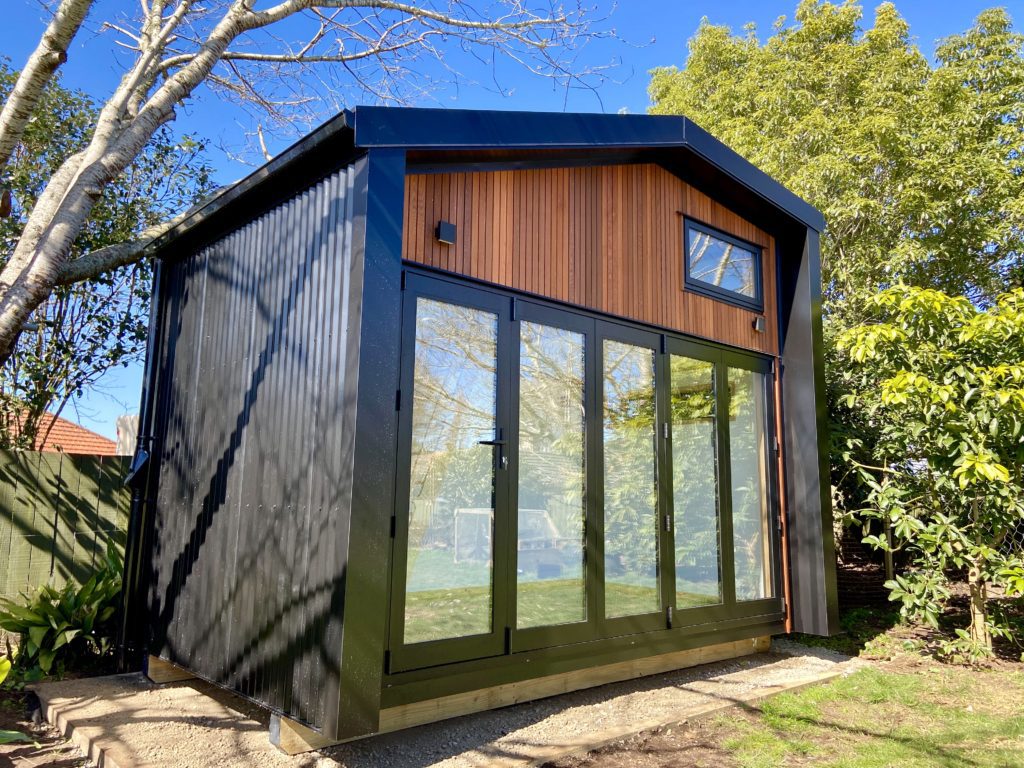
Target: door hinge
{"points": [[664, 430], [387, 662], [404, 273], [515, 307], [394, 526], [398, 399], [776, 444], [508, 640], [668, 616], [668, 522]]}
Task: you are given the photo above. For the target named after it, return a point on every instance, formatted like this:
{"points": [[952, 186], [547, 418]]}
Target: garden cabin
{"points": [[446, 410]]}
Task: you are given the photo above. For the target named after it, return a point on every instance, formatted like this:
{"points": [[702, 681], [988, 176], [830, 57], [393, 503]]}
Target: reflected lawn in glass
{"points": [[451, 483], [551, 474], [547, 602]]}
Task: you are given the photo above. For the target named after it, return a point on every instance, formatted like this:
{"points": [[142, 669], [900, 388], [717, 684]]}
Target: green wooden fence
{"points": [[57, 515]]}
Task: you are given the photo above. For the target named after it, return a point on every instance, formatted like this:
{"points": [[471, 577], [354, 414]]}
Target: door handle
{"points": [[501, 460]]}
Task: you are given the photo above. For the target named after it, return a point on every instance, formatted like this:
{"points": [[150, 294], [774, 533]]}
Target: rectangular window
{"points": [[722, 267]]}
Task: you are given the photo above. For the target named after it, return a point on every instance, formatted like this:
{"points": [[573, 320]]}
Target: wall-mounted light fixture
{"points": [[759, 323], [445, 232]]}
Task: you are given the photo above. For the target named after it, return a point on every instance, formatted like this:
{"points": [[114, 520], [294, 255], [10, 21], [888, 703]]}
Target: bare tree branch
{"points": [[379, 46], [51, 52]]}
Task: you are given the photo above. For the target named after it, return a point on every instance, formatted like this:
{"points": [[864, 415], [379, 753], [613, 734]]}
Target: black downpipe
{"points": [[131, 641]]}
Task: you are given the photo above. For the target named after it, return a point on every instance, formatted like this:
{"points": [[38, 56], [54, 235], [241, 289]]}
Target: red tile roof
{"points": [[68, 437]]}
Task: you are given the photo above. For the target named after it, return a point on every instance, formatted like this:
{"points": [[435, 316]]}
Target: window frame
{"points": [[690, 283]]}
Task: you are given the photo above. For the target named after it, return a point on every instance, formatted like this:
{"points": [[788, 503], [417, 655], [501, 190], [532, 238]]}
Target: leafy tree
{"points": [[942, 383], [84, 329], [919, 170]]}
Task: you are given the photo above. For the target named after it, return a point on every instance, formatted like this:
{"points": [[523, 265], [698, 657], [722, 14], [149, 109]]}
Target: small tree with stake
{"points": [[941, 383]]}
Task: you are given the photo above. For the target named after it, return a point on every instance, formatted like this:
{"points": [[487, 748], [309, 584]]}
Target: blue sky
{"points": [[655, 34]]}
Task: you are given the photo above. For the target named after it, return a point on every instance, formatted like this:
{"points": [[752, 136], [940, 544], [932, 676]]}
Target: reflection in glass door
{"points": [[550, 561], [565, 479], [748, 448], [631, 583], [449, 578], [695, 482]]}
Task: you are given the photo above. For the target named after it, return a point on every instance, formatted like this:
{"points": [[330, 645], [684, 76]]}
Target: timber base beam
{"points": [[160, 671], [293, 738]]}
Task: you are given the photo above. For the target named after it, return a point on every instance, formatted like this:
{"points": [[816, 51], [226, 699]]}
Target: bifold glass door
{"points": [[550, 473], [563, 478], [452, 481], [722, 483]]}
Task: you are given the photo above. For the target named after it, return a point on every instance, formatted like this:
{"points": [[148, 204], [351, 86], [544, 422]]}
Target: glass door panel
{"points": [[550, 558], [449, 577], [695, 482], [631, 521], [748, 450]]}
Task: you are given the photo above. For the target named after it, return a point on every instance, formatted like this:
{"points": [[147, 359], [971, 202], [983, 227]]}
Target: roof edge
{"points": [[455, 129], [460, 129], [274, 168]]}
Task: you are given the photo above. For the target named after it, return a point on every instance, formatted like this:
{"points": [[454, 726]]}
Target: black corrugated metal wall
{"points": [[254, 447]]}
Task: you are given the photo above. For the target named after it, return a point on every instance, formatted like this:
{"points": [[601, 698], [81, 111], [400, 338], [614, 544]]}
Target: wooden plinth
{"points": [[292, 737], [160, 671]]}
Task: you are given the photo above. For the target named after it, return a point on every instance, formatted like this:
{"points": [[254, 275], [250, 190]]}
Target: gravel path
{"points": [[514, 735], [196, 725]]}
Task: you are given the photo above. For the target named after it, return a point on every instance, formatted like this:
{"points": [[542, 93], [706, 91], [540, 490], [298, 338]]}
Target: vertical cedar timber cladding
{"points": [[254, 484], [608, 237]]}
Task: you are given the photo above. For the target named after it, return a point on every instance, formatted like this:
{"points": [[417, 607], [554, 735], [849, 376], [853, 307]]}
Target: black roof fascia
{"points": [[458, 129], [298, 158], [455, 129]]}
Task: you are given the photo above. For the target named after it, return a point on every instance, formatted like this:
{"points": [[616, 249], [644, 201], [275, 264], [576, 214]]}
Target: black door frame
{"points": [[512, 308], [724, 358], [532, 638], [404, 656]]}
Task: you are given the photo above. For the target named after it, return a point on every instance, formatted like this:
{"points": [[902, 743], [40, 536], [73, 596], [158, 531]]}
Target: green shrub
{"points": [[7, 737], [65, 625]]}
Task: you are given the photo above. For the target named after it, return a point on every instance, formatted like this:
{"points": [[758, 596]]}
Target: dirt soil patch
{"points": [[908, 710], [53, 750]]}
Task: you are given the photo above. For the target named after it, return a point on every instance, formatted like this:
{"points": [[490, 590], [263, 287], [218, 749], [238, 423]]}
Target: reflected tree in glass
{"points": [[695, 483], [630, 492], [451, 485], [550, 578], [721, 263], [748, 451]]}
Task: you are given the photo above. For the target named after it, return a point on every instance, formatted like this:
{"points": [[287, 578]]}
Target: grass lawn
{"points": [[931, 717], [906, 709], [906, 713]]}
